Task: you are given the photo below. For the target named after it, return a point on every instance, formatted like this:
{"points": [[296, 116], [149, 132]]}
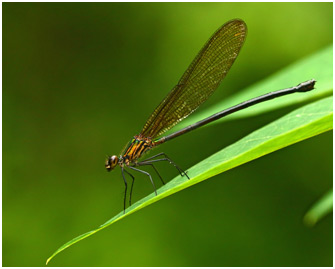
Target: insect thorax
{"points": [[136, 148]]}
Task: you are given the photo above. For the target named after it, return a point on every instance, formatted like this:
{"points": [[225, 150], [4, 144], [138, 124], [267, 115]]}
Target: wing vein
{"points": [[200, 79]]}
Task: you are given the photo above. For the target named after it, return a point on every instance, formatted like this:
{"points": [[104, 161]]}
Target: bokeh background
{"points": [[80, 79]]}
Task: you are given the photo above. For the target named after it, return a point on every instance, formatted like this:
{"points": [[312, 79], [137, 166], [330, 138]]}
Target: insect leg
{"points": [[125, 191], [148, 163], [141, 171], [150, 160], [131, 188]]}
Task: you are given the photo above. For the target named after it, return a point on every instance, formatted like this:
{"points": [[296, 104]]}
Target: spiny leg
{"points": [[144, 163], [141, 171], [181, 172], [125, 191], [131, 188], [149, 161]]}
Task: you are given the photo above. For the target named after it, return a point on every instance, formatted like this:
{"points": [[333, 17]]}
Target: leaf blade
{"points": [[319, 209], [296, 126]]}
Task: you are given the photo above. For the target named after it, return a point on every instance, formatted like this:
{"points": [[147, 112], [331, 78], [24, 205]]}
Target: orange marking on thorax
{"points": [[137, 147]]}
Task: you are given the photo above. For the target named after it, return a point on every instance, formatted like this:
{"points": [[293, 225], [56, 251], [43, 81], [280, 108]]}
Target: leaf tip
{"points": [[49, 259], [309, 220]]}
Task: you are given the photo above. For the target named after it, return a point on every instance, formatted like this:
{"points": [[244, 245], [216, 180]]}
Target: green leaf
{"points": [[318, 66], [321, 208], [296, 126]]}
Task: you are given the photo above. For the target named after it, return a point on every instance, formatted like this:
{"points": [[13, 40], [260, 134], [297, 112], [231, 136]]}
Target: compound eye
{"points": [[114, 160], [111, 162]]}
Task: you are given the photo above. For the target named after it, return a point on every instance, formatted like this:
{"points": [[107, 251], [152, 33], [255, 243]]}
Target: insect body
{"points": [[199, 81], [134, 151]]}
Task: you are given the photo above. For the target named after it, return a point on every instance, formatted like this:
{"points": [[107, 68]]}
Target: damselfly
{"points": [[199, 81]]}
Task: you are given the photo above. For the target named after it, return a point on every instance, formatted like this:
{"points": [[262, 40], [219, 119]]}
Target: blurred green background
{"points": [[80, 79]]}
